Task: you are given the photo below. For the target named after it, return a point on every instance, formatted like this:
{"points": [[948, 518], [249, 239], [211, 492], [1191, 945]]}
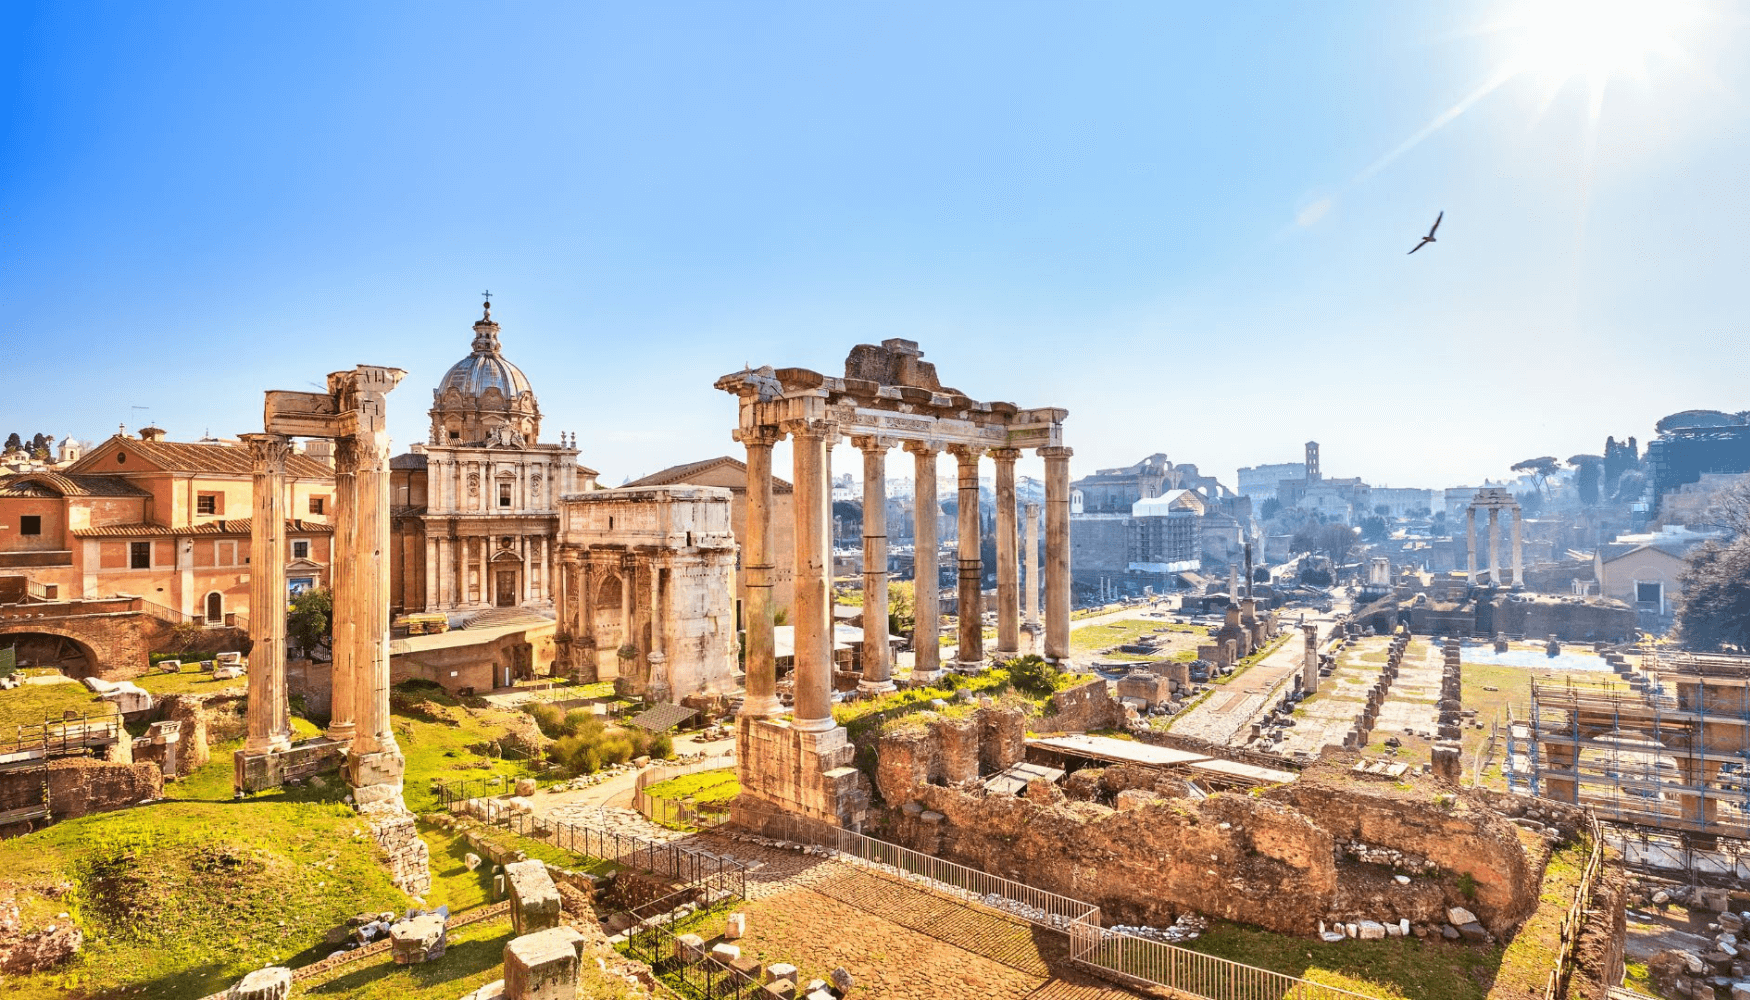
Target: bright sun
{"points": [[1595, 40]]}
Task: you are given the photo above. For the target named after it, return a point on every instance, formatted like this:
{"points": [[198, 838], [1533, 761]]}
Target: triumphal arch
{"points": [[888, 398]]}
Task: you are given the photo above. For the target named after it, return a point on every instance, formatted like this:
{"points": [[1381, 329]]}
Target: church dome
{"points": [[484, 399]]}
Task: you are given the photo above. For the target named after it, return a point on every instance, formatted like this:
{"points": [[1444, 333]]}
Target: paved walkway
{"points": [[1227, 714]]}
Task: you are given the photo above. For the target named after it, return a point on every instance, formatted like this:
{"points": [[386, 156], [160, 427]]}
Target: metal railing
{"points": [[678, 813], [63, 737], [1113, 954], [679, 963]]}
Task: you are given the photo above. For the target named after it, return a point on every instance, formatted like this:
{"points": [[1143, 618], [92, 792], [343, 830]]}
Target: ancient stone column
{"points": [[1056, 552], [659, 688], [428, 600], [761, 701], [1032, 582], [1008, 567], [1309, 669], [1494, 547], [877, 656], [1518, 549], [1470, 549], [812, 501], [970, 586], [269, 725], [343, 592], [926, 515]]}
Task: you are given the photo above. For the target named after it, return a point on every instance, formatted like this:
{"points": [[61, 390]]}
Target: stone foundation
{"points": [[395, 831], [808, 774], [255, 772]]}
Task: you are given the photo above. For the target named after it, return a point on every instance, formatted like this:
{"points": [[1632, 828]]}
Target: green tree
{"points": [[1373, 529], [1714, 612], [1539, 469], [1270, 508], [310, 622], [1589, 472]]}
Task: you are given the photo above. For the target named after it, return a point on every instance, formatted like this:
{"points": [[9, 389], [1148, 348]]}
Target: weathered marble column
{"points": [[926, 577], [1032, 582], [1008, 560], [269, 724], [761, 701], [812, 501], [1309, 669], [1056, 552], [1494, 547], [429, 601], [1518, 549], [659, 689], [971, 570], [1470, 548], [877, 656], [344, 593]]}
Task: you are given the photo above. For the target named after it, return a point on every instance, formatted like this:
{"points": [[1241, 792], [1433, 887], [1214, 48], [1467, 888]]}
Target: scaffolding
{"points": [[1661, 751]]}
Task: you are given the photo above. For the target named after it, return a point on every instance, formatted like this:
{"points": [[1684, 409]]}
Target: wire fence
{"points": [[679, 813]]}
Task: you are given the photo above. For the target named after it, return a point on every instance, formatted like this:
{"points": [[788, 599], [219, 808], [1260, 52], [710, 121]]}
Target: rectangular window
{"points": [[1648, 593], [30, 524], [139, 555], [208, 503], [300, 550], [317, 504], [504, 494]]}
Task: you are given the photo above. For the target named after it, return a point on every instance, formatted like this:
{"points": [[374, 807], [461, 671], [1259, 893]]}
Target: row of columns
{"points": [[360, 677], [812, 440], [448, 559], [1470, 517]]}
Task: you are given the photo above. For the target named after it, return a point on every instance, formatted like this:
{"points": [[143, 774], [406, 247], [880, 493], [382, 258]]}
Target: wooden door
{"points": [[506, 597]]}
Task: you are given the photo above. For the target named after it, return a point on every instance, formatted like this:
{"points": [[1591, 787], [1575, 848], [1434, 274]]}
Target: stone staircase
{"points": [[496, 617]]}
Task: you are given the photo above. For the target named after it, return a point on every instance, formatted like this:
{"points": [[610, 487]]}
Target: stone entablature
{"points": [[889, 397], [646, 590]]}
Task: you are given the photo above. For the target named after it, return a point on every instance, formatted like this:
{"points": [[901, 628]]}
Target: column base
{"points": [[342, 731], [786, 771], [375, 777], [876, 687], [925, 678], [970, 666], [275, 743], [814, 725], [768, 707]]}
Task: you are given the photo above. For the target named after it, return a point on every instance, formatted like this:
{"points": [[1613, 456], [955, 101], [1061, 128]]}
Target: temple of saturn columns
{"points": [[1494, 501], [353, 414], [889, 397]]}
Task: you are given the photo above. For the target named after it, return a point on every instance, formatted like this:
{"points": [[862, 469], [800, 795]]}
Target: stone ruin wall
{"points": [[1081, 709], [1126, 838]]}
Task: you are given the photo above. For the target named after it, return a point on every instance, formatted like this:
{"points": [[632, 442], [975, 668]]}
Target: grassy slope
{"points": [[30, 704], [701, 787], [190, 680], [1392, 969], [180, 899]]}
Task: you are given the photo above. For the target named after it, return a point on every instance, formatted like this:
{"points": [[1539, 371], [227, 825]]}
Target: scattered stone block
{"points": [[1401, 879], [420, 939], [473, 861], [1458, 916], [748, 967], [781, 970], [271, 983], [541, 966], [735, 927], [1369, 930], [534, 899], [1332, 937], [1474, 932], [842, 981], [1449, 932], [724, 954], [525, 786], [689, 948]]}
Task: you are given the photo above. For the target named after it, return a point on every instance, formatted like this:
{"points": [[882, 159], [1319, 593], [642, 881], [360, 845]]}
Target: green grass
{"points": [[1527, 962], [1098, 637], [701, 787], [30, 704], [472, 958], [439, 738], [190, 680], [180, 899], [1391, 969]]}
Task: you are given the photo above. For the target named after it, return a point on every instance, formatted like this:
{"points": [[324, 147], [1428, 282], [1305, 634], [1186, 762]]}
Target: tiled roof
{"points": [[407, 460], [229, 526], [60, 484], [682, 473], [175, 456]]}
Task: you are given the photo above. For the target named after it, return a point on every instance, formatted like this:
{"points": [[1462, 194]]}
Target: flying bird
{"points": [[1430, 237]]}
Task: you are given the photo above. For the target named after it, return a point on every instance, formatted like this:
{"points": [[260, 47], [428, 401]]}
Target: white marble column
{"points": [[1008, 560], [761, 701], [1470, 548], [812, 501], [1057, 567], [970, 587], [659, 688], [877, 655], [1494, 547], [487, 594], [1518, 549], [1032, 582], [429, 600], [927, 605], [342, 671], [269, 722]]}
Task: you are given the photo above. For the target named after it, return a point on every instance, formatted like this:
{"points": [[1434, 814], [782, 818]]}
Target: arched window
{"points": [[215, 608]]}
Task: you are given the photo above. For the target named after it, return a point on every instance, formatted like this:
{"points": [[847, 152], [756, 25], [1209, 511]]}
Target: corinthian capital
{"points": [[269, 451]]}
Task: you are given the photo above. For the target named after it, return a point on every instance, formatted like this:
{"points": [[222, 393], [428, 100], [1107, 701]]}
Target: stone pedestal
{"points": [[543, 965], [534, 899], [809, 773], [421, 939]]}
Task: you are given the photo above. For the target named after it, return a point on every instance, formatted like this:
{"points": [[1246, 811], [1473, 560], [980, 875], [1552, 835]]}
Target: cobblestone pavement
{"points": [[1327, 717]]}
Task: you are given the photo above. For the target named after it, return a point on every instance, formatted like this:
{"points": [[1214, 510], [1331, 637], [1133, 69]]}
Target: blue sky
{"points": [[1171, 218]]}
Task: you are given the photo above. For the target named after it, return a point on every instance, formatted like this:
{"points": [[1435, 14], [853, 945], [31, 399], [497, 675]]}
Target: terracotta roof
{"points": [[229, 526], [174, 456], [682, 473], [58, 484], [408, 460]]}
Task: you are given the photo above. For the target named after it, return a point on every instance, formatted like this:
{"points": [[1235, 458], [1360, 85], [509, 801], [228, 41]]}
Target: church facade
{"points": [[476, 508]]}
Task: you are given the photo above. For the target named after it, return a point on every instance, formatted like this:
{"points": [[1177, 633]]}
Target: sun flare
{"points": [[1594, 40]]}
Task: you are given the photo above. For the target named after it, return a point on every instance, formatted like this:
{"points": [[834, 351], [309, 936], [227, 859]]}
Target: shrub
{"points": [[661, 746], [1032, 675], [616, 748], [548, 719]]}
